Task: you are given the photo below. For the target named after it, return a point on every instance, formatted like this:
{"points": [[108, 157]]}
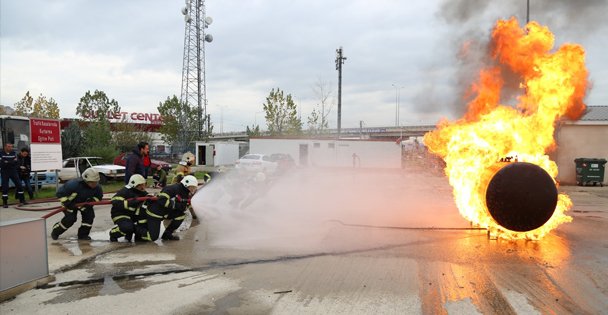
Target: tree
{"points": [[44, 108], [314, 125], [71, 141], [24, 106], [96, 106], [281, 114], [98, 141], [254, 131], [318, 117], [41, 107], [127, 135], [180, 126]]}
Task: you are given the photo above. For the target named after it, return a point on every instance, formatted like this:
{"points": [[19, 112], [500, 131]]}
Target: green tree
{"points": [[41, 107], [180, 126], [314, 124], [96, 106], [24, 106], [126, 135], [98, 141], [254, 131], [281, 114], [71, 141]]}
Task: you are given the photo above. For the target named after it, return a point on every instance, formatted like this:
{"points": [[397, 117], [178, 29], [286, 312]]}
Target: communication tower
{"points": [[194, 86]]}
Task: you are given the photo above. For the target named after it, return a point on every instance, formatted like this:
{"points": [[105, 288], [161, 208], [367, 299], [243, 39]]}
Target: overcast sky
{"points": [[133, 49]]}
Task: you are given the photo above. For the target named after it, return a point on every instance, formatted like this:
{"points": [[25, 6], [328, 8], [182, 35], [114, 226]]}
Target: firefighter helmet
{"points": [[188, 157], [189, 181], [136, 180], [90, 175]]}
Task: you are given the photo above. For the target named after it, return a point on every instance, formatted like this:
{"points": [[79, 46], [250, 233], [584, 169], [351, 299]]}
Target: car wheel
{"points": [[103, 179]]}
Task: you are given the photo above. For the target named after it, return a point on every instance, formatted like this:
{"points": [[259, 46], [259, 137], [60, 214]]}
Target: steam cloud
{"points": [[300, 210]]}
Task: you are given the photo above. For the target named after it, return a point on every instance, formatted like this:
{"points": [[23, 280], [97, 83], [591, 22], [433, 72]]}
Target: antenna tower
{"points": [[194, 86]]}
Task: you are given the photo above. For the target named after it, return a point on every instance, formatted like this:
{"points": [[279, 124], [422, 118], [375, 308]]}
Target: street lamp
{"points": [[397, 101]]}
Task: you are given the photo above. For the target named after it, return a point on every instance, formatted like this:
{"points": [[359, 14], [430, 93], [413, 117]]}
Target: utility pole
{"points": [[194, 86], [527, 11], [339, 62]]}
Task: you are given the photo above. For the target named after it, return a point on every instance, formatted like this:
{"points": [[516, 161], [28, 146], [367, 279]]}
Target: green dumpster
{"points": [[589, 171]]}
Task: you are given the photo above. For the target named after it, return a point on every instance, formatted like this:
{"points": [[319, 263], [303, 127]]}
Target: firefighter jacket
{"points": [[180, 172], [122, 207], [77, 191], [173, 198], [8, 161]]}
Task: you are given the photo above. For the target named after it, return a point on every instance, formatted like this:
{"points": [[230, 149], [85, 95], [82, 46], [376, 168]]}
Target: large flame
{"points": [[553, 85]]}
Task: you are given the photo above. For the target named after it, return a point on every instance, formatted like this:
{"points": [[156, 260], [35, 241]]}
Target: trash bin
{"points": [[589, 171]]}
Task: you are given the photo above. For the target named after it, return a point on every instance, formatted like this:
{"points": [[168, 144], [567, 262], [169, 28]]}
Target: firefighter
{"points": [[126, 208], [184, 168], [8, 170], [75, 191], [171, 204]]}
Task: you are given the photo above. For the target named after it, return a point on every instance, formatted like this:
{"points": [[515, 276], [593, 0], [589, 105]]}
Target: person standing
{"points": [[74, 192], [135, 162], [147, 164], [8, 170], [25, 168], [171, 204], [126, 208]]}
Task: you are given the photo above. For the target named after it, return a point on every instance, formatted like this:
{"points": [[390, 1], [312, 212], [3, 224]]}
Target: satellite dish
{"points": [[187, 18], [184, 11], [208, 20], [208, 38]]}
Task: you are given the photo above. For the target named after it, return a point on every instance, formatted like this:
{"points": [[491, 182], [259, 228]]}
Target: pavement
{"points": [[329, 242]]}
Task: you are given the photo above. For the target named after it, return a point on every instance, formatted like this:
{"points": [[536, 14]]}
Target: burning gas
{"points": [[553, 84]]}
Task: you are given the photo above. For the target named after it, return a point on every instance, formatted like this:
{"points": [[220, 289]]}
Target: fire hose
{"points": [[93, 203]]}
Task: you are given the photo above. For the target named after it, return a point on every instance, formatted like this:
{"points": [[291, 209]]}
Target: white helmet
{"points": [[189, 181], [135, 181], [90, 175]]}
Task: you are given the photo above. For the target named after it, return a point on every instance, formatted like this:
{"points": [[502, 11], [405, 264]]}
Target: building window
{"points": [[331, 145], [316, 145]]}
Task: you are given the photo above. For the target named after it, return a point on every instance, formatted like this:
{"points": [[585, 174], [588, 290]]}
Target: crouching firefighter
{"points": [[171, 204], [74, 192], [126, 208]]}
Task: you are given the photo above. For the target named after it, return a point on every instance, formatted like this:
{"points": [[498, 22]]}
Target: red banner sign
{"points": [[45, 130]]}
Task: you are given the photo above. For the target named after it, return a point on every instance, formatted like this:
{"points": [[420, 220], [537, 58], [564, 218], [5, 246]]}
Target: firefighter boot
{"points": [[31, 195], [22, 199], [5, 202]]}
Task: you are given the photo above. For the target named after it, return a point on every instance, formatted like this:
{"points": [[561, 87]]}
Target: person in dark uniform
{"points": [[171, 204], [75, 191], [135, 161], [8, 170], [24, 161], [126, 209]]}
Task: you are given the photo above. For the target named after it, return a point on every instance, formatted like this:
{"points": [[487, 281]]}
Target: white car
{"points": [[256, 163], [73, 168]]}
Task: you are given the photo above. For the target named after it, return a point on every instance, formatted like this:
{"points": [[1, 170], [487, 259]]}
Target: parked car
{"points": [[284, 161], [73, 167], [256, 163], [121, 160], [44, 178]]}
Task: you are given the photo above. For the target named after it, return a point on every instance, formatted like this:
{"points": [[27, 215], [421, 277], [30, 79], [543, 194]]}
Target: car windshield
{"points": [[95, 162]]}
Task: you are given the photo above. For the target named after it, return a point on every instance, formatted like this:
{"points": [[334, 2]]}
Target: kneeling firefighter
{"points": [[75, 191], [171, 204], [126, 209]]}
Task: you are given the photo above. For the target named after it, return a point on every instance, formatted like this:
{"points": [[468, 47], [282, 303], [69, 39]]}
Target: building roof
{"points": [[595, 113]]}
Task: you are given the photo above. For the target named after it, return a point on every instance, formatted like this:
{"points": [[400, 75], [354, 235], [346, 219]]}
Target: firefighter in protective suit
{"points": [[126, 208], [75, 191], [171, 204]]}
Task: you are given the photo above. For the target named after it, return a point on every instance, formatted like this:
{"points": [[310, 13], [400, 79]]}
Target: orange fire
{"points": [[553, 85]]}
